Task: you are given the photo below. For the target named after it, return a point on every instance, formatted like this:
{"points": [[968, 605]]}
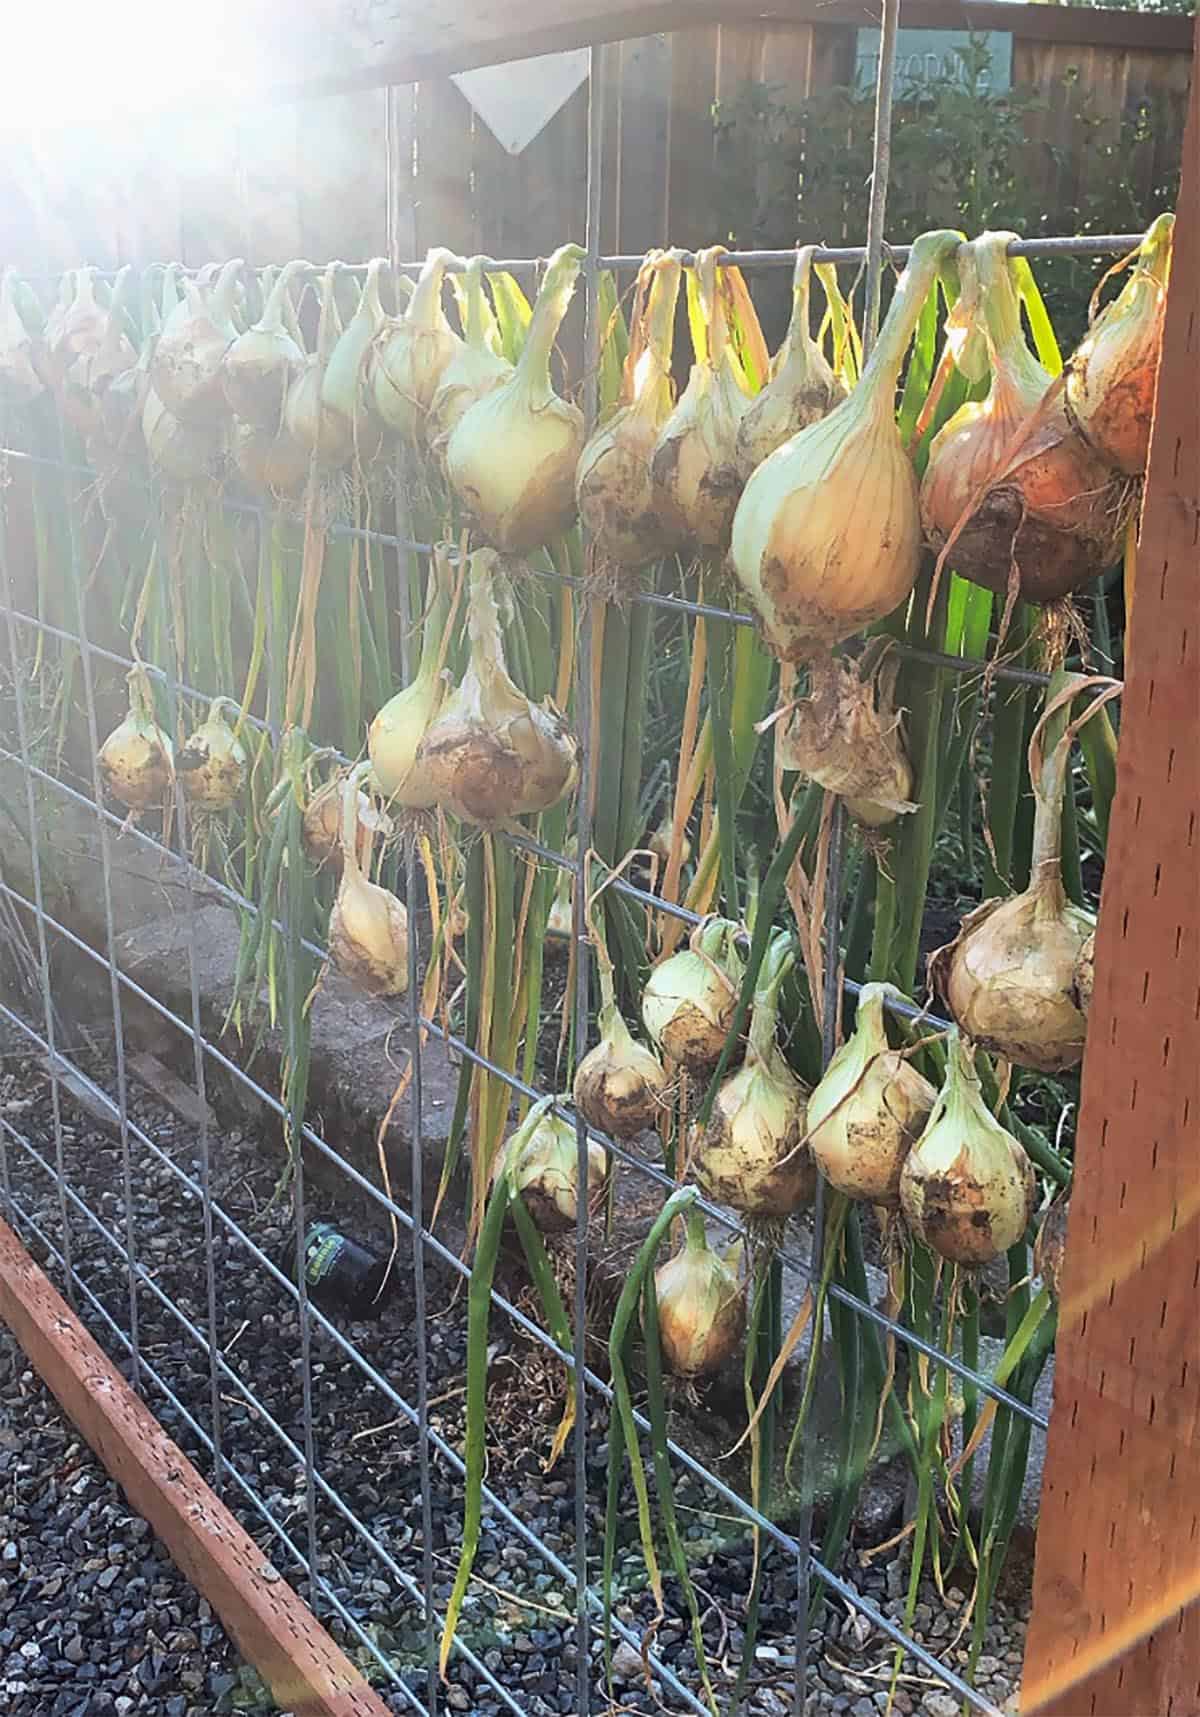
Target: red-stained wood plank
{"points": [[273, 1630], [1115, 1630]]}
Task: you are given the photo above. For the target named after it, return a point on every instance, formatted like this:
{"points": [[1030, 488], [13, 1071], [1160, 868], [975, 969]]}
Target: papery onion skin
{"points": [[701, 1307], [1112, 375], [321, 823], [1085, 975], [1050, 1246], [847, 736], [967, 1188], [826, 537], [868, 1110]]}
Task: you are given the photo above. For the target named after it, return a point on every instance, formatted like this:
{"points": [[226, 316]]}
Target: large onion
{"points": [[967, 1188], [695, 456], [701, 1306], [1112, 375], [690, 998], [802, 387], [137, 759], [827, 535], [491, 754], [632, 519], [260, 365], [870, 1106], [1043, 508], [541, 1163], [186, 369], [511, 457], [212, 764]]}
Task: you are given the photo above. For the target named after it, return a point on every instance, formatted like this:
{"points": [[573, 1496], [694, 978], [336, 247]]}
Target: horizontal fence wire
{"points": [[63, 1069]]}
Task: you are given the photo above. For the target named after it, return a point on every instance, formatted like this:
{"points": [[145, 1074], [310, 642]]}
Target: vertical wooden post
{"points": [[1115, 1630]]}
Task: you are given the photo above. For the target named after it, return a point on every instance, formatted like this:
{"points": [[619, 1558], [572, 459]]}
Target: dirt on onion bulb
{"points": [[847, 736], [967, 1188], [620, 1086], [368, 926], [1008, 977], [491, 754], [137, 759], [1113, 372], [802, 386], [827, 535], [690, 998], [701, 1306], [632, 519], [752, 1155], [212, 765], [541, 1162]]}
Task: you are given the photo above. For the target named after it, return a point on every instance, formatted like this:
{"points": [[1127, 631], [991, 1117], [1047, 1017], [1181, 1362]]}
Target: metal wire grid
{"points": [[60, 1065]]}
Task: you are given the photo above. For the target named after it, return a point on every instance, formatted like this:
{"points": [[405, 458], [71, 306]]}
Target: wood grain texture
{"points": [[1115, 1630], [273, 1630]]}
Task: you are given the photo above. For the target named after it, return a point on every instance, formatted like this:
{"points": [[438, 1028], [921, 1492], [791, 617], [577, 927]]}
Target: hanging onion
{"points": [[967, 1188], [186, 370], [212, 765], [752, 1154], [477, 366], [695, 457], [321, 826], [620, 1086], [368, 926], [1052, 513], [701, 1306], [137, 759], [690, 998], [492, 754], [847, 736], [511, 457], [827, 536], [19, 379], [395, 735], [541, 1163], [349, 429], [1113, 373], [260, 365], [93, 349], [1008, 977], [185, 451], [868, 1109], [802, 386], [632, 519], [413, 351]]}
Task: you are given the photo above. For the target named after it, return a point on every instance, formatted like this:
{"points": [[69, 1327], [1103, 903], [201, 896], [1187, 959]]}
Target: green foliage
{"points": [[795, 171]]}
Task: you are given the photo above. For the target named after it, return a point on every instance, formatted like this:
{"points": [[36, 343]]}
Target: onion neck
{"points": [[1015, 365], [764, 1016], [330, 326], [425, 306], [696, 1239], [928, 256], [660, 309], [475, 321], [869, 1029], [799, 332], [1154, 253], [532, 375], [351, 869], [1045, 869]]}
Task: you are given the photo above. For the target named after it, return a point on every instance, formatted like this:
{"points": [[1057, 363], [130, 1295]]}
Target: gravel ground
{"points": [[516, 1614]]}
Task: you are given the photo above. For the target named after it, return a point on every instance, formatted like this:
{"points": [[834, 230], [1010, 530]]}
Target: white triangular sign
{"points": [[518, 100]]}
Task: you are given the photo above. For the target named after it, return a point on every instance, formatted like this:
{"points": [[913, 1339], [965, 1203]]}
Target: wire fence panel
{"points": [[341, 1441]]}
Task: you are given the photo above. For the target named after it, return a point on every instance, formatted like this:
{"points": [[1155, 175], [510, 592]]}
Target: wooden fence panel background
{"points": [[309, 177]]}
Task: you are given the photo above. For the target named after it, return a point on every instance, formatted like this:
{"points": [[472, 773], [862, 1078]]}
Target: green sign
{"points": [[931, 56]]}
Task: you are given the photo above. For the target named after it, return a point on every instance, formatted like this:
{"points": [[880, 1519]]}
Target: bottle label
{"points": [[321, 1253]]}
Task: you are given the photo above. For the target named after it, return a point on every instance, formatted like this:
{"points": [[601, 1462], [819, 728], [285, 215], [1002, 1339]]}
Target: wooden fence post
{"points": [[1115, 1630]]}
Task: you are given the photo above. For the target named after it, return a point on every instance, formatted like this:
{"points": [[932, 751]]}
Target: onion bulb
{"points": [[1008, 977], [368, 926], [186, 370], [412, 352], [260, 365], [1113, 373], [802, 387], [827, 535], [690, 998], [269, 461], [620, 1086], [1085, 974], [321, 825], [967, 1188], [701, 1306], [185, 451], [137, 758], [398, 729], [541, 1163], [752, 1154], [1052, 512], [477, 366], [19, 380], [93, 349], [847, 736], [511, 456], [560, 920], [868, 1109], [695, 457], [632, 519], [212, 764], [491, 754]]}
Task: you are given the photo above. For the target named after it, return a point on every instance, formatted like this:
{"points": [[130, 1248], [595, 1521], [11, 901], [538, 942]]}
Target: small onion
{"points": [[413, 351], [395, 735], [321, 824], [137, 758], [541, 1163], [212, 764], [620, 1086], [260, 365], [802, 387], [368, 926], [868, 1109], [690, 997], [701, 1306], [186, 369], [967, 1188]]}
